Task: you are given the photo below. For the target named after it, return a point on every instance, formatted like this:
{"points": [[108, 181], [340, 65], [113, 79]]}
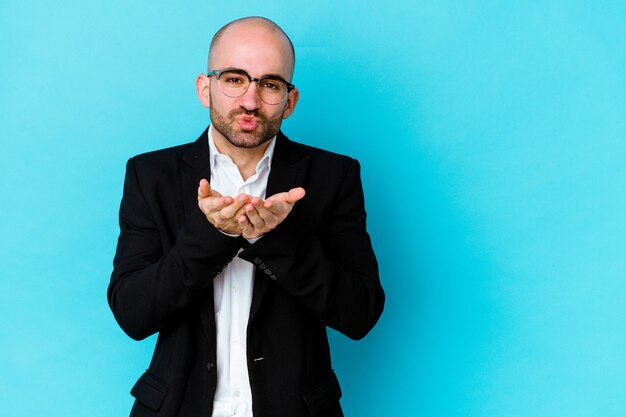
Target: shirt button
{"points": [[210, 366], [237, 393]]}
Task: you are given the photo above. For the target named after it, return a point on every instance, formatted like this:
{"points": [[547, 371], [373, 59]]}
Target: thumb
{"points": [[204, 189], [295, 194]]}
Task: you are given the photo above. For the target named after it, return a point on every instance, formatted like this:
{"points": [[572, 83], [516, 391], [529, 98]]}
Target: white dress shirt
{"points": [[233, 291]]}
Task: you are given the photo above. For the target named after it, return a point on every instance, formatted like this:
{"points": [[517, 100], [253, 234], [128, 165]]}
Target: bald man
{"points": [[240, 248]]}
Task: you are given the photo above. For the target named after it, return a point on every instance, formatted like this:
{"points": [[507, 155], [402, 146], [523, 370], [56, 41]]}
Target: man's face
{"points": [[247, 121], [244, 128]]}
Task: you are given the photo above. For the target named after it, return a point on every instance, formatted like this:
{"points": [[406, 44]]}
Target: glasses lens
{"points": [[232, 83], [235, 83], [272, 90]]}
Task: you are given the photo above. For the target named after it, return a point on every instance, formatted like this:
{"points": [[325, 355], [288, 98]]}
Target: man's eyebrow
{"points": [[262, 76], [273, 76]]}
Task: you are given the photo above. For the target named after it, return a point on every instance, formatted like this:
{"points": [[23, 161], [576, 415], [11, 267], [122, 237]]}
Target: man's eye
{"points": [[233, 80], [271, 85]]}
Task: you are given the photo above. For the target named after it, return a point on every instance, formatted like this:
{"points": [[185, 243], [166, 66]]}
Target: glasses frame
{"points": [[218, 74]]}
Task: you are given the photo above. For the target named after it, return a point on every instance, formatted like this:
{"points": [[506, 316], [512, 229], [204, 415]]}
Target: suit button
{"points": [[274, 277], [262, 266], [210, 366], [268, 271], [257, 261]]}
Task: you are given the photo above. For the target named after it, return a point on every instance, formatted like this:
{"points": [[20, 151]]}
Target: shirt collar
{"points": [[215, 155]]}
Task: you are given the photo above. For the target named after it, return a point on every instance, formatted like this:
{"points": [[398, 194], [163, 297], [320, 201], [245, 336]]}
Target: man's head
{"points": [[260, 48], [259, 21]]}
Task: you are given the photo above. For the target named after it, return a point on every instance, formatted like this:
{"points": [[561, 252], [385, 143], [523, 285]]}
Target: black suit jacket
{"points": [[316, 269]]}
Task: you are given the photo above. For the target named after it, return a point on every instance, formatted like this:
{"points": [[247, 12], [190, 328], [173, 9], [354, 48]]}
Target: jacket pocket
{"points": [[149, 391], [323, 396]]}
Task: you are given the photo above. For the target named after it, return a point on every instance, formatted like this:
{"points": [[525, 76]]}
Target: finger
{"points": [[271, 219], [256, 201], [277, 207], [228, 200], [240, 212], [204, 189], [295, 194], [214, 204], [278, 197], [253, 217], [231, 210], [247, 230], [284, 201], [291, 196]]}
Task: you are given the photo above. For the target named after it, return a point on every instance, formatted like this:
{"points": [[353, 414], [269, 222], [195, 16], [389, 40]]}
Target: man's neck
{"points": [[246, 159]]}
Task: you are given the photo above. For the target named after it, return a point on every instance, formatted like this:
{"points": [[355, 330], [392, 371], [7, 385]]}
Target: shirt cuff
{"points": [[254, 239], [251, 240], [229, 234]]}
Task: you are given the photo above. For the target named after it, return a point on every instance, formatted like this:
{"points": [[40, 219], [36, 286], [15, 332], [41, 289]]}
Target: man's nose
{"points": [[250, 100]]}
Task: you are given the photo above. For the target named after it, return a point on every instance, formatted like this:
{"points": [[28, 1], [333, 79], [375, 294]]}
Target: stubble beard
{"points": [[265, 130]]}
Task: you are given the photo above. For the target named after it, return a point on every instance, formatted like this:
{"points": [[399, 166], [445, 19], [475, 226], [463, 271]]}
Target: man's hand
{"points": [[263, 216], [222, 212]]}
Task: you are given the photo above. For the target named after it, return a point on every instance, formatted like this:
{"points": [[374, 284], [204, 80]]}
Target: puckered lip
{"points": [[248, 117], [248, 122]]}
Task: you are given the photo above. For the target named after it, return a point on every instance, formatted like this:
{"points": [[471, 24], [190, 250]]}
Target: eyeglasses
{"points": [[234, 83]]}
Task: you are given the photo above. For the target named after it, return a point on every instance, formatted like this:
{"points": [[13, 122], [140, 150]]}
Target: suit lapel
{"points": [[195, 166], [288, 171]]}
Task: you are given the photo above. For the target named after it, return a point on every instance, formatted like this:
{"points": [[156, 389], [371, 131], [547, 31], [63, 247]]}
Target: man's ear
{"points": [[292, 100], [203, 90]]}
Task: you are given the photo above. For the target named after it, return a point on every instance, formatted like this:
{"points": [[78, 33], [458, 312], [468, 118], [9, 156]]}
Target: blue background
{"points": [[491, 135]]}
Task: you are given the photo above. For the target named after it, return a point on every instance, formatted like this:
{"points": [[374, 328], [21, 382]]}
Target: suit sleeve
{"points": [[150, 286], [334, 274]]}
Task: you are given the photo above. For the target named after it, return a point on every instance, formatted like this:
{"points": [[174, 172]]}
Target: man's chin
{"points": [[247, 140]]}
